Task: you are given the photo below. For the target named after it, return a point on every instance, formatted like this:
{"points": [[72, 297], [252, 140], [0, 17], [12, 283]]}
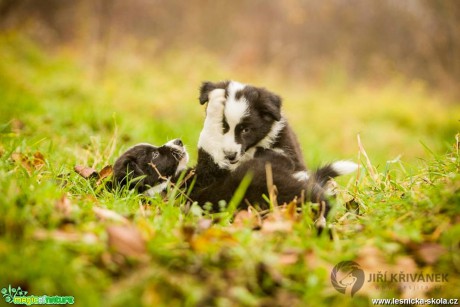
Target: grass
{"points": [[396, 215]]}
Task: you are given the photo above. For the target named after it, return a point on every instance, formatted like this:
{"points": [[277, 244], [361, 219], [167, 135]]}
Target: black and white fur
{"points": [[149, 168], [241, 118]]}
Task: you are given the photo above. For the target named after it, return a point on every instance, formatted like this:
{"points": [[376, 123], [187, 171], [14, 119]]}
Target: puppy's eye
{"points": [[155, 155], [245, 130]]}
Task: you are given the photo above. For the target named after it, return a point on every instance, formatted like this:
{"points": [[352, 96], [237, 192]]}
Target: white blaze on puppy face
{"points": [[184, 160], [235, 111]]}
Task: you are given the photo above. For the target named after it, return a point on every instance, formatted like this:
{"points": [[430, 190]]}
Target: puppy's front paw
{"points": [[216, 102]]}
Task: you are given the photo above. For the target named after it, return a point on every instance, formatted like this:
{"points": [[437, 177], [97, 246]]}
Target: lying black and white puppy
{"points": [[241, 118], [149, 168]]}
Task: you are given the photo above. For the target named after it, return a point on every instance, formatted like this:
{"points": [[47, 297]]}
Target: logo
{"points": [[18, 296], [347, 277], [10, 293]]}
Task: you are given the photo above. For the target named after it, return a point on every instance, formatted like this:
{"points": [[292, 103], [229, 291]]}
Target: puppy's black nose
{"points": [[178, 142], [230, 155]]}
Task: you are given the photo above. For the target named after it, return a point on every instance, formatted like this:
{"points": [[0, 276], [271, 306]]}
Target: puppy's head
{"points": [[146, 166], [252, 117]]}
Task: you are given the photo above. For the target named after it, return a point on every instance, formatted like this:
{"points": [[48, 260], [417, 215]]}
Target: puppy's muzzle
{"points": [[231, 156]]}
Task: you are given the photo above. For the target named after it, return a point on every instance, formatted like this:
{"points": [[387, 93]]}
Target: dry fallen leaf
{"points": [[410, 289], [127, 241], [85, 172], [64, 206], [429, 252], [277, 226], [247, 218], [39, 160], [371, 259], [288, 257], [106, 214], [277, 221], [21, 159], [212, 239], [104, 173]]}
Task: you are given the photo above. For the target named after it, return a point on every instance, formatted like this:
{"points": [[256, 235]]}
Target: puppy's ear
{"points": [[272, 105], [207, 87]]}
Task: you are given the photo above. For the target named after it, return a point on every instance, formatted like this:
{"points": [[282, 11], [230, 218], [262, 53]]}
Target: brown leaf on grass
{"points": [[105, 172], [428, 252], [106, 214], [21, 159], [38, 160], [313, 260], [289, 257], [280, 220], [247, 218], [372, 259], [89, 172], [212, 240], [85, 172], [2, 151], [64, 206], [276, 226], [127, 241], [411, 289]]}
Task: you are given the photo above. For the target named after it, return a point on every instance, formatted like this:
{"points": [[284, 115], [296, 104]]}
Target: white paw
{"points": [[216, 102]]}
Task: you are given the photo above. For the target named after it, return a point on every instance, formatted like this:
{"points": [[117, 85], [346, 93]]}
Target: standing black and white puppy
{"points": [[240, 119]]}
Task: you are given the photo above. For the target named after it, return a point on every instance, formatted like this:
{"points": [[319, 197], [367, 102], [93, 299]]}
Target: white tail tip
{"points": [[344, 167]]}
